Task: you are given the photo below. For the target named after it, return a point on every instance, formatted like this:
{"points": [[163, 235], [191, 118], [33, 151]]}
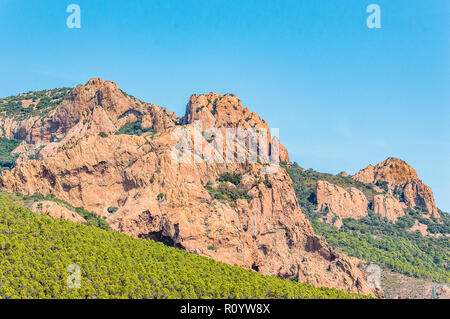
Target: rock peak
{"points": [[223, 111], [99, 84], [396, 171], [394, 161], [95, 81], [86, 164], [398, 176]]}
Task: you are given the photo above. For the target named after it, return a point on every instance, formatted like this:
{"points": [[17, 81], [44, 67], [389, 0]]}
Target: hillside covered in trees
{"points": [[36, 253], [376, 239]]}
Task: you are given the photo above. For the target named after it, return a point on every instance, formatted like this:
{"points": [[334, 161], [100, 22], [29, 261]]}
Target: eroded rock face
{"points": [[366, 175], [388, 207], [56, 211], [400, 178], [164, 199], [226, 111], [340, 202]]}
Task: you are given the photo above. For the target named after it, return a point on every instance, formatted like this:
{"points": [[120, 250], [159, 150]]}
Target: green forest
{"points": [[36, 254], [376, 239]]}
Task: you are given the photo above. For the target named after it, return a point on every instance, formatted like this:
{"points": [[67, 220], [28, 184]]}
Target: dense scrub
{"points": [[38, 103], [7, 160], [225, 191], [376, 239], [36, 251], [232, 178], [134, 128]]}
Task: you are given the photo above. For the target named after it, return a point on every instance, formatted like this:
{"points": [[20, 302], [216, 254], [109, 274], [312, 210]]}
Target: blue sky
{"points": [[342, 95]]}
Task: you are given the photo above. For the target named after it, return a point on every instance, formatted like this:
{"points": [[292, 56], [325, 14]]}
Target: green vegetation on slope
{"points": [[232, 178], [376, 239], [91, 218], [227, 192], [224, 192], [36, 251], [134, 128], [7, 160], [39, 103]]}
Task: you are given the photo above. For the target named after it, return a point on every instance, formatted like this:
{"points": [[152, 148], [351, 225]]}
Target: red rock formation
{"points": [[388, 207], [422, 228], [162, 199], [402, 179], [56, 211], [340, 202], [227, 111], [98, 106]]}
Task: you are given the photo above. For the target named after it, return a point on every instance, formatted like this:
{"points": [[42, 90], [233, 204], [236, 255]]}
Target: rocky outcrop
{"points": [[366, 175], [343, 203], [256, 224], [56, 211], [227, 112], [400, 179], [388, 207], [331, 218], [422, 228], [393, 171], [417, 194], [336, 203], [97, 107]]}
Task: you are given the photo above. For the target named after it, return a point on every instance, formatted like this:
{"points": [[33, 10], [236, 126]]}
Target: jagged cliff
{"points": [[394, 186], [143, 189], [401, 180]]}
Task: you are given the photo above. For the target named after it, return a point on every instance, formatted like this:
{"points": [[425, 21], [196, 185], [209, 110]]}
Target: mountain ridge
{"points": [[246, 217], [102, 149]]}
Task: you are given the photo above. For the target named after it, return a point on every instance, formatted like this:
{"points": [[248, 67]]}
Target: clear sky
{"points": [[342, 95]]}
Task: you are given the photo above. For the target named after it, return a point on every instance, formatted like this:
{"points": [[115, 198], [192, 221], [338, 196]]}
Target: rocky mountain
{"points": [[372, 220], [126, 161], [400, 180], [391, 187]]}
